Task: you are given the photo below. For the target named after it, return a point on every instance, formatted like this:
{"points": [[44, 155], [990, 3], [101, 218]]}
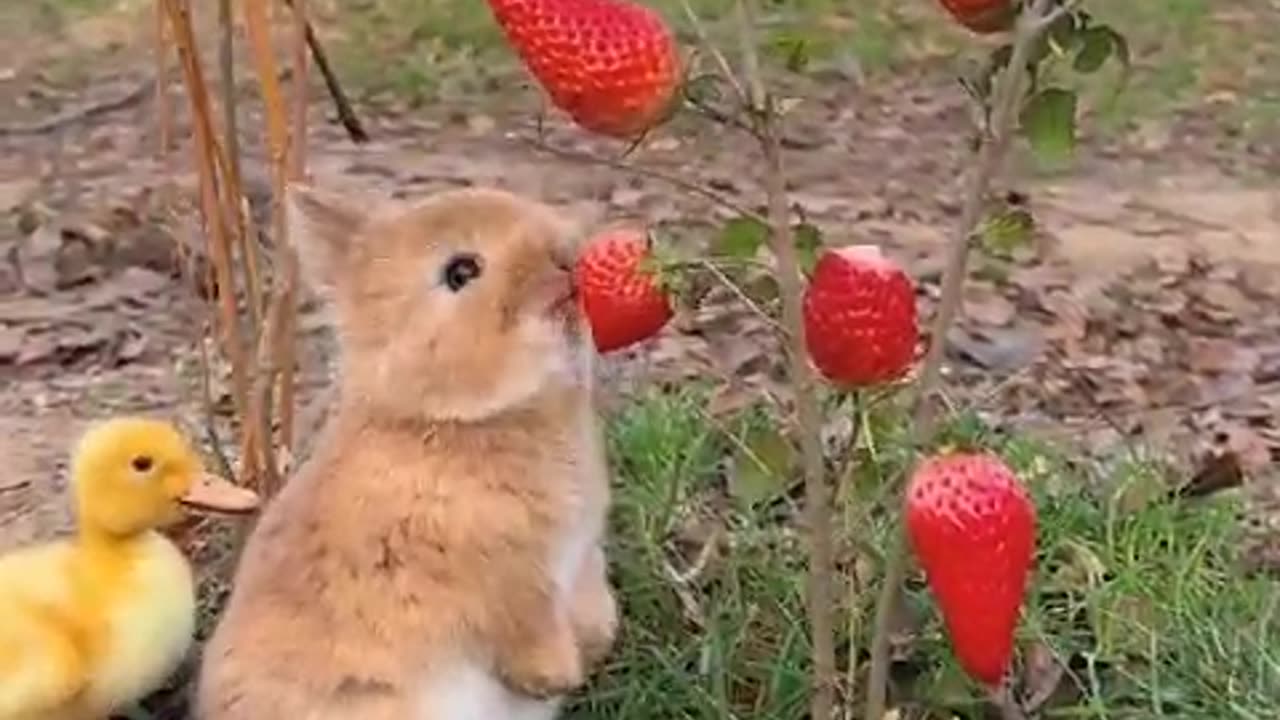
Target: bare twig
{"points": [[641, 171], [210, 412], [346, 115], [704, 42], [227, 71], [298, 153], [231, 131], [258, 440], [82, 112], [808, 414], [164, 109], [1004, 701], [211, 166], [285, 347], [1006, 103], [740, 294]]}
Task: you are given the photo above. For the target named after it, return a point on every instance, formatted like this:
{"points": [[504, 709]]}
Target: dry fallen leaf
{"points": [[1217, 472], [1042, 675], [997, 349], [984, 304], [1220, 355]]}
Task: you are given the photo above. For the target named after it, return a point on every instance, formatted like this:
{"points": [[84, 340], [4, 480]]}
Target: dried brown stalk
{"points": [[247, 247], [211, 166], [164, 111], [346, 114], [285, 344], [275, 342]]}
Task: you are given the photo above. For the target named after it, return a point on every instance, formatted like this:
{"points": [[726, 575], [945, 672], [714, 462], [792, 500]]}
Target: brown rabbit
{"points": [[438, 556]]}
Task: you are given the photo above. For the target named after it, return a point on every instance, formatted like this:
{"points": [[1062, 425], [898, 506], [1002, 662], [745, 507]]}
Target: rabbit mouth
{"points": [[564, 302]]}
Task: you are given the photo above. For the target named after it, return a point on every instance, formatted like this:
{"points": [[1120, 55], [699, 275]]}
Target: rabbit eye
{"points": [[142, 463], [460, 270]]}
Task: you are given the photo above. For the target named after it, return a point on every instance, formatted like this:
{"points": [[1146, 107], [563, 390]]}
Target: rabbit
{"points": [[440, 554]]}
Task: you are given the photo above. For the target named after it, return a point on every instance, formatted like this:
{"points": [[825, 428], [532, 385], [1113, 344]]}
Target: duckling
{"points": [[92, 623]]}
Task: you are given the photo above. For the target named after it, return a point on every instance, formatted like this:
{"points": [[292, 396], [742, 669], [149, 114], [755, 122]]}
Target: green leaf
{"points": [[762, 288], [808, 240], [761, 465], [1065, 31], [1006, 231], [1096, 45], [795, 52], [705, 88], [1049, 122], [1060, 37], [1120, 49], [740, 238]]}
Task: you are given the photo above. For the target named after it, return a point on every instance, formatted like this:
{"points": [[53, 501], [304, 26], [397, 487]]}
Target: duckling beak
{"points": [[210, 492]]}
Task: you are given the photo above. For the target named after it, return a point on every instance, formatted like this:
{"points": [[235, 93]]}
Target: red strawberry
{"points": [[983, 16], [973, 528], [623, 304], [612, 65], [860, 317]]}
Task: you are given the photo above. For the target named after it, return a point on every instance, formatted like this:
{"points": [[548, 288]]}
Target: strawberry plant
{"points": [[846, 318]]}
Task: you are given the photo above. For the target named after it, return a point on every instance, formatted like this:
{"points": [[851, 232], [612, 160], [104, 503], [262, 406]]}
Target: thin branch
{"points": [[209, 162], [85, 111], [1004, 701], [346, 114], [728, 282], [704, 42], [1009, 93], [257, 437], [227, 71], [207, 405], [808, 413], [285, 350], [164, 108], [298, 153], [641, 171]]}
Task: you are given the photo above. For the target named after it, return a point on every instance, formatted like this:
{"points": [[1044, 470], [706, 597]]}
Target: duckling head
{"points": [[133, 474]]}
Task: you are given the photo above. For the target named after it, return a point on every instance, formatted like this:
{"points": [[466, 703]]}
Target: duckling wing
{"points": [[41, 664], [41, 668]]}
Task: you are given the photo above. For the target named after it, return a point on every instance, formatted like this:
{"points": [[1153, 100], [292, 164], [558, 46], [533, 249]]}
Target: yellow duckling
{"points": [[93, 623]]}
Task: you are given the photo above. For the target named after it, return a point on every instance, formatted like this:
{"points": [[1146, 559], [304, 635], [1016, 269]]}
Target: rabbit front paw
{"points": [[594, 611], [548, 666]]}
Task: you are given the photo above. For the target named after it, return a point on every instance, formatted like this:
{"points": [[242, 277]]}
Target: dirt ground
{"points": [[1144, 322]]}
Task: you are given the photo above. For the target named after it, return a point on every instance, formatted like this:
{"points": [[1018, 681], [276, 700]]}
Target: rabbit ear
{"points": [[322, 226]]}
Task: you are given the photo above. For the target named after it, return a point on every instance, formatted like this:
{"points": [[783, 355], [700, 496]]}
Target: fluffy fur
{"points": [[91, 623], [438, 555]]}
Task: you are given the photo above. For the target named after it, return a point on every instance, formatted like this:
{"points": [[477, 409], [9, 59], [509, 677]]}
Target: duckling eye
{"points": [[142, 463], [460, 270]]}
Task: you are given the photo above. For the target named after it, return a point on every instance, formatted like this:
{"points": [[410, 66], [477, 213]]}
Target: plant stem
{"points": [[1004, 701], [1006, 103], [809, 418], [808, 414]]}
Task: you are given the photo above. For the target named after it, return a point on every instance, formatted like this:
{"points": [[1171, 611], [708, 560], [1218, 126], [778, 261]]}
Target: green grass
{"points": [[1140, 599]]}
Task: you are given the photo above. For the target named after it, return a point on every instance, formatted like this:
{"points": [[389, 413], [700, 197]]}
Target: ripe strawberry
{"points": [[860, 317], [983, 16], [612, 65], [623, 304], [973, 528]]}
